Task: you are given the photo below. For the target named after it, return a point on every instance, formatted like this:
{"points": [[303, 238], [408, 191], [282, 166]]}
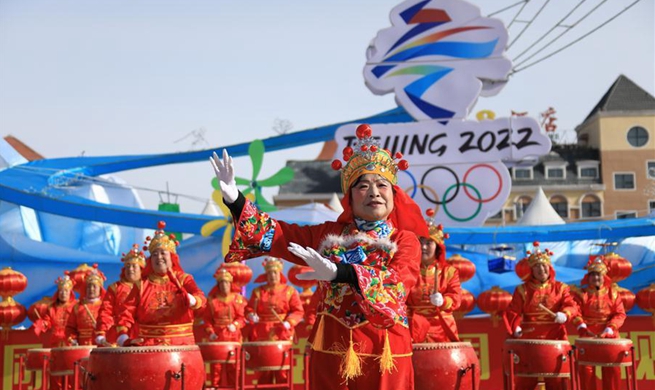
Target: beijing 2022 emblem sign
{"points": [[437, 58]]}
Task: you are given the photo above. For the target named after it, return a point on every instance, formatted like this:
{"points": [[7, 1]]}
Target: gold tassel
{"points": [[317, 344], [386, 360], [351, 365]]}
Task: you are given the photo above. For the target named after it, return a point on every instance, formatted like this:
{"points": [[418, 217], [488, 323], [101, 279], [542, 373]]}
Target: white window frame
{"points": [[530, 169], [588, 164], [580, 203], [548, 168], [648, 176], [634, 176], [617, 212]]}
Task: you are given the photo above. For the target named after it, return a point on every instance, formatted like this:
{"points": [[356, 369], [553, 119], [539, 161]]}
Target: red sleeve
{"points": [[617, 317], [296, 311], [579, 298], [127, 310], [191, 287], [568, 305], [71, 324], [106, 313], [239, 305], [253, 302], [452, 295], [513, 315], [208, 316], [310, 313]]}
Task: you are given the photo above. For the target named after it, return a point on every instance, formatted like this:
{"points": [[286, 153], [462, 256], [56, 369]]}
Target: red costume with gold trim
{"points": [[599, 309], [421, 310], [81, 323], [221, 312], [160, 305], [52, 325], [536, 323]]}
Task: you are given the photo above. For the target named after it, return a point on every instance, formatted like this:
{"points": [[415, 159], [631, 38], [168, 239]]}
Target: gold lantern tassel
{"points": [[386, 360], [351, 365], [317, 344]]}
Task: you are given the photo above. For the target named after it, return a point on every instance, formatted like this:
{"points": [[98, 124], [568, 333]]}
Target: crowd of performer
{"points": [[383, 284]]}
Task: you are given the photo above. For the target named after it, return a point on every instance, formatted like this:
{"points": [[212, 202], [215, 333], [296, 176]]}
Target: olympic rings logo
{"points": [[452, 191]]}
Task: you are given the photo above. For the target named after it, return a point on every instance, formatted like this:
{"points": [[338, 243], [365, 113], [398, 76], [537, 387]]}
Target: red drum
{"points": [[62, 360], [267, 355], [604, 352], [35, 358], [146, 368], [445, 365], [539, 358], [219, 352]]}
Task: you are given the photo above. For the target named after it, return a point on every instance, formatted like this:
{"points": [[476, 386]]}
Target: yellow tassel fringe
{"points": [[351, 365], [317, 344], [386, 360]]}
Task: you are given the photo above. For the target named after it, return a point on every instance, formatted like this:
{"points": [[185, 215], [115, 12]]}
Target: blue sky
{"points": [[132, 77]]}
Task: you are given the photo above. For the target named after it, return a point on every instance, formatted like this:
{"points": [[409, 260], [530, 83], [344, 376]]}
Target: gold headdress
{"points": [[435, 230], [64, 282], [223, 274], [597, 265], [538, 257], [272, 263], [366, 156], [95, 277], [161, 240], [134, 256]]}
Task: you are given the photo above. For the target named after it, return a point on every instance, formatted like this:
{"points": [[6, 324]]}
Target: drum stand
{"points": [[509, 379], [288, 385], [237, 373], [630, 374]]}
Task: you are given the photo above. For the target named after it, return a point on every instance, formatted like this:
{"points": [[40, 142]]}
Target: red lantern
{"points": [[465, 267], [38, 308], [306, 285], [627, 296], [523, 269], [467, 304], [494, 302], [241, 274], [11, 313], [618, 268], [646, 299], [11, 282]]}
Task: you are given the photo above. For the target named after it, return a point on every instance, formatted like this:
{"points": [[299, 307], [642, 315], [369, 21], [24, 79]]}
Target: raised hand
{"points": [[224, 170]]}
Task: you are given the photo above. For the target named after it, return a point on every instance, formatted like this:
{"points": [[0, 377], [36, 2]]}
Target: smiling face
{"points": [[63, 294], [92, 291], [132, 272], [273, 277], [161, 261], [372, 198], [224, 287], [541, 272]]}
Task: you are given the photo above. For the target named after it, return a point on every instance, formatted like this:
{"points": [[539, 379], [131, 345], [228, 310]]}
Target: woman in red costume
{"points": [[224, 318], [82, 320], [53, 323], [430, 312], [526, 318], [601, 315], [133, 263], [162, 306], [366, 263]]}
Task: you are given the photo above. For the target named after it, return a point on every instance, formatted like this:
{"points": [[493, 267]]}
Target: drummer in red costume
{"points": [[529, 313], [601, 315], [162, 306], [224, 318], [274, 309], [366, 263], [430, 312], [133, 263], [55, 319], [82, 320]]}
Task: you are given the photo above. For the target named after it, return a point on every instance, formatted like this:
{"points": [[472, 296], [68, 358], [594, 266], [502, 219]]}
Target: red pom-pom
{"points": [[346, 157], [536, 243], [66, 272], [398, 155], [528, 253], [348, 151], [440, 226], [447, 235], [429, 212], [161, 225], [364, 148], [148, 238], [123, 254], [363, 131], [171, 236], [374, 148], [403, 165], [177, 243], [336, 165], [95, 265], [145, 248]]}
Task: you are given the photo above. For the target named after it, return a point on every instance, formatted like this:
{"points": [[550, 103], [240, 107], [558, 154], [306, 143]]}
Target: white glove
{"points": [[74, 342], [582, 326], [232, 328], [324, 269], [213, 337], [192, 300], [608, 331], [436, 299], [287, 325], [560, 317], [518, 332], [224, 170], [101, 340], [254, 318], [122, 339]]}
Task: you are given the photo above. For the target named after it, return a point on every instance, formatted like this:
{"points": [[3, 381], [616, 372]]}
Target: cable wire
{"points": [[528, 24]]}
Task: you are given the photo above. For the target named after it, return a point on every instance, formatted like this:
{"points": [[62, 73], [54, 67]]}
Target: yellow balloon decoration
{"points": [[485, 115]]}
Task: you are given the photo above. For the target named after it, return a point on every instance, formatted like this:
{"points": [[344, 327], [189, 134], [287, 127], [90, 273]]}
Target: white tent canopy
{"points": [[540, 212]]}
